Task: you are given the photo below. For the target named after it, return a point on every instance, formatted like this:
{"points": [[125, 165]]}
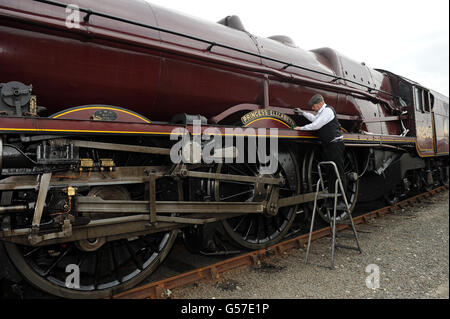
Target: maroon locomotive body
{"points": [[112, 77], [159, 74]]}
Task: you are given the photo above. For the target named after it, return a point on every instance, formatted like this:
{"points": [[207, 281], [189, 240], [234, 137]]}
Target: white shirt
{"points": [[322, 118]]}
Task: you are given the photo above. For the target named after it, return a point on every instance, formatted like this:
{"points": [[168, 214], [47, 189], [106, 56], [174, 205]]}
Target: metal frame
{"points": [[137, 223], [333, 220]]}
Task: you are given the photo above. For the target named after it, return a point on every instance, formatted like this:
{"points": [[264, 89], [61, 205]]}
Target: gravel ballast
{"points": [[410, 247]]}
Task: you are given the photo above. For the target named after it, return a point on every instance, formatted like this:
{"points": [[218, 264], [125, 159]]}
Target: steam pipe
{"points": [[13, 209]]}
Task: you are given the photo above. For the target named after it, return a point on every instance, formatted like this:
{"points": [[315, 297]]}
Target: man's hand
{"points": [[297, 128], [298, 111]]}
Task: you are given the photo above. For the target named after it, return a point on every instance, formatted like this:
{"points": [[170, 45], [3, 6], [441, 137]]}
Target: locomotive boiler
{"points": [[90, 93]]}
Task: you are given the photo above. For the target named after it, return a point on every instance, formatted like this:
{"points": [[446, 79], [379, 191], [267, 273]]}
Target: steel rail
{"points": [[157, 290]]}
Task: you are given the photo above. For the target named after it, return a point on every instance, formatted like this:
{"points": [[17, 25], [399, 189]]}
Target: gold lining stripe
{"points": [[79, 131], [424, 149], [167, 133], [101, 108], [423, 152], [267, 118], [134, 132], [382, 140]]}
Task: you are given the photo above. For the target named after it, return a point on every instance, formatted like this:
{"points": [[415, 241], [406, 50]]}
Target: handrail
{"points": [[211, 44]]}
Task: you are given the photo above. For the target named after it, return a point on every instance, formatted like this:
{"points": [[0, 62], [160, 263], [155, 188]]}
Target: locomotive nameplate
{"points": [[105, 115], [264, 113]]}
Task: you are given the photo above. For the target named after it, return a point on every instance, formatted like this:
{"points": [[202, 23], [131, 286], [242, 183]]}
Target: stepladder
{"points": [[339, 192]]}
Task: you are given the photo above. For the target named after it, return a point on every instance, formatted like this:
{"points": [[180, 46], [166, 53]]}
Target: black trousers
{"points": [[334, 152]]}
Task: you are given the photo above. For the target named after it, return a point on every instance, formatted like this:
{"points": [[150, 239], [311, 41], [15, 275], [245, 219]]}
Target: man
{"points": [[329, 132]]}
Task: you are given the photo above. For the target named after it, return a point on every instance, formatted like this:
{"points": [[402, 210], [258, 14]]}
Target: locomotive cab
{"points": [[427, 116], [424, 120]]}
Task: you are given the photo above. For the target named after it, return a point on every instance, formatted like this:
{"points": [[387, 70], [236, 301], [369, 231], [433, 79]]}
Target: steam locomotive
{"points": [[90, 93]]}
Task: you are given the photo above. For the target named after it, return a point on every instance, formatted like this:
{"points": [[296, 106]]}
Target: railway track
{"points": [[160, 289]]}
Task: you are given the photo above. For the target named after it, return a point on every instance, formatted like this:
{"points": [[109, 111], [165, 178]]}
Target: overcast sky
{"points": [[407, 37]]}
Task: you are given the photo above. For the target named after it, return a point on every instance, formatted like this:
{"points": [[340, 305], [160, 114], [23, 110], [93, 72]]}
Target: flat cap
{"points": [[316, 99]]}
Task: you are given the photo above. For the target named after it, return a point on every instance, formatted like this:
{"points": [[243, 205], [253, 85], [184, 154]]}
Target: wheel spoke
{"points": [[58, 260], [248, 230], [254, 173], [115, 265], [257, 222], [133, 254], [240, 223], [32, 251], [96, 269], [151, 245], [233, 167], [347, 165], [248, 184], [277, 223], [257, 231], [236, 195], [266, 227], [81, 260]]}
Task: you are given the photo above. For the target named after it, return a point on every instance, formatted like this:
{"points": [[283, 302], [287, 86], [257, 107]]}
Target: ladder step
{"points": [[335, 207], [347, 247]]}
